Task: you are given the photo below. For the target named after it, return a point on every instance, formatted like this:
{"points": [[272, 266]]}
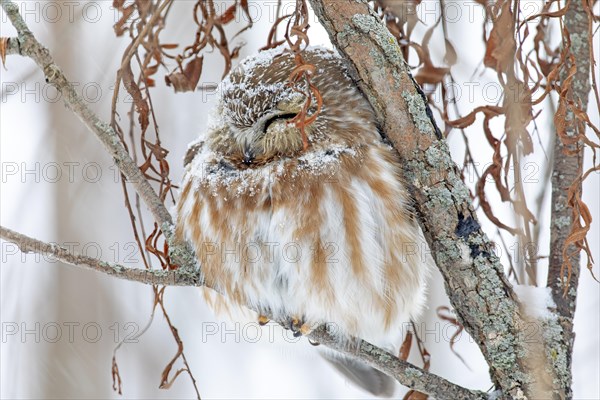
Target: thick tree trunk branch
{"points": [[474, 277], [405, 373], [567, 169]]}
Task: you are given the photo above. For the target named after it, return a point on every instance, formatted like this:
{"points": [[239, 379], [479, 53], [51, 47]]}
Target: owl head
{"points": [[257, 104]]}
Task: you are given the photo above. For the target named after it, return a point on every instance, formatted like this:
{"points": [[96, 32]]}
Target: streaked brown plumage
{"points": [[323, 235]]}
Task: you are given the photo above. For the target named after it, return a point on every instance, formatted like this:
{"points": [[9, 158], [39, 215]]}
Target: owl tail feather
{"points": [[368, 378]]}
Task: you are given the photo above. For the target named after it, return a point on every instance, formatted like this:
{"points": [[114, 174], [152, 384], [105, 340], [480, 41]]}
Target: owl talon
{"points": [[295, 325], [299, 327], [262, 320], [305, 329]]}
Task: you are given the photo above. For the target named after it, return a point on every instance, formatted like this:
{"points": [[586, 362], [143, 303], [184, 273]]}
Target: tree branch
{"points": [[179, 277], [474, 278], [566, 183], [405, 373]]}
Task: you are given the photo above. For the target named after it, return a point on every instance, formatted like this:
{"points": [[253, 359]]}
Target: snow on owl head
{"points": [[313, 235]]}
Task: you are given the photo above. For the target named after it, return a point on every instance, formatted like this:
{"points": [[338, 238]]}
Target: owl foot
{"points": [[299, 327], [262, 320]]}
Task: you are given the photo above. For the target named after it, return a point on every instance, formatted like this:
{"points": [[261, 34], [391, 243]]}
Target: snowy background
{"points": [[60, 324]]}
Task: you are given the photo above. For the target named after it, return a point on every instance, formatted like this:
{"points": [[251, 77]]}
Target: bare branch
{"points": [[404, 372], [179, 277]]}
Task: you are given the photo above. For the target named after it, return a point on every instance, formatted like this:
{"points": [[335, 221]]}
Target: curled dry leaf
{"points": [[187, 80], [517, 107], [116, 377], [3, 48], [501, 45], [445, 314], [300, 77], [121, 25], [428, 73], [228, 15], [405, 347], [141, 104], [152, 247], [577, 235]]}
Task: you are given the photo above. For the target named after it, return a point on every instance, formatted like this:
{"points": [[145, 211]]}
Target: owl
{"points": [[317, 234]]}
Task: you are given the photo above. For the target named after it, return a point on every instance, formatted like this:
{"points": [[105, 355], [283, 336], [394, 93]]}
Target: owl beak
{"points": [[248, 157]]}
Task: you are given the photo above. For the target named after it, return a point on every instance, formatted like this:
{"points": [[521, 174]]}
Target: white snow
{"points": [[535, 300]]}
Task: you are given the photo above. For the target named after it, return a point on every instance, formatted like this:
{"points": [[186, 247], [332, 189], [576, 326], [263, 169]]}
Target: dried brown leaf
{"points": [[406, 345], [469, 119], [121, 26], [141, 104], [116, 377], [428, 74], [517, 107], [501, 45], [450, 57], [3, 48], [228, 15], [578, 233], [187, 80], [445, 314]]}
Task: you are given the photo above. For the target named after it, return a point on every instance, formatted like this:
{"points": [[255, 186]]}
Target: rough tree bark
{"points": [[567, 169]]}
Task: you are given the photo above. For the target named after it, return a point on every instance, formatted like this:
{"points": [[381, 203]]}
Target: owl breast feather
{"points": [[327, 237]]}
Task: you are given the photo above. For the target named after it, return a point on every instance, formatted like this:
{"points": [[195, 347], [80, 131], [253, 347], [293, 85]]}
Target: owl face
{"points": [[258, 104]]}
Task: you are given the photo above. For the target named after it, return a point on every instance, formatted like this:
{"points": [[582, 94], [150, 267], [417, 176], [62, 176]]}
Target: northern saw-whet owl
{"points": [[314, 235]]}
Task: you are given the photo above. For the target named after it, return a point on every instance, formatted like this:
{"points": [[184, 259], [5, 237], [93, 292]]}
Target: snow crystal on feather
{"points": [[208, 170]]}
